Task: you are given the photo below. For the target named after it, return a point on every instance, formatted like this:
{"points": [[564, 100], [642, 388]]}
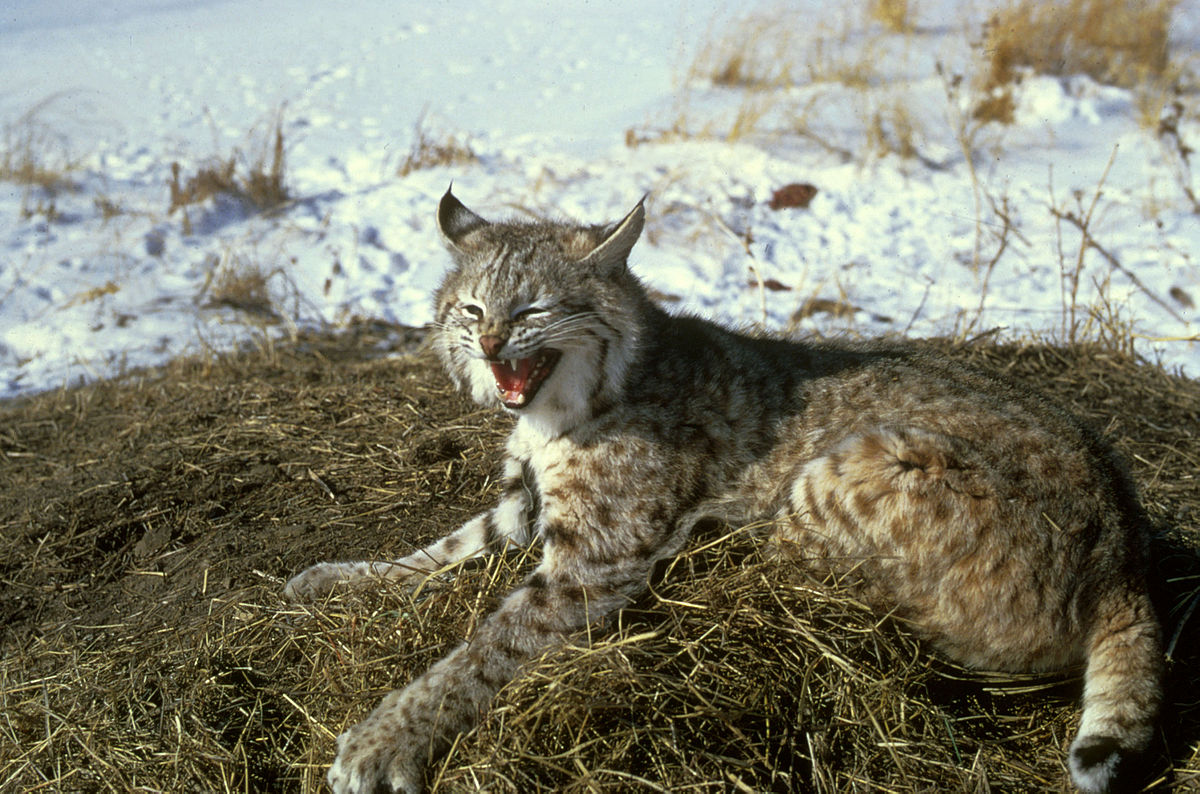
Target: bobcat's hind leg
{"points": [[916, 519], [506, 524], [887, 493]]}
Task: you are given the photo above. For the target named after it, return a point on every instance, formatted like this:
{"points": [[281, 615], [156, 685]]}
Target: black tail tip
{"points": [[1101, 765]]}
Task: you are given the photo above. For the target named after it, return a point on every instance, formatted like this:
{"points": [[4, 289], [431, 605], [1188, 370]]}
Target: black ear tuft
{"points": [[619, 238], [455, 221]]}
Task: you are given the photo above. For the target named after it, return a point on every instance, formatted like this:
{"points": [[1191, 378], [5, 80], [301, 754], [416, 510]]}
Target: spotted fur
{"points": [[992, 520]]}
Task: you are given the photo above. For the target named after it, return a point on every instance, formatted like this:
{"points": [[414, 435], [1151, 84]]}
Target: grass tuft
{"points": [[242, 285], [895, 15], [752, 52], [34, 155], [892, 129], [257, 181], [431, 149], [997, 106], [789, 71], [775, 47], [1123, 43], [1118, 42]]}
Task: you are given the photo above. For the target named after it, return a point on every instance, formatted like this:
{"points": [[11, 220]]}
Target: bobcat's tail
{"points": [[1122, 690]]}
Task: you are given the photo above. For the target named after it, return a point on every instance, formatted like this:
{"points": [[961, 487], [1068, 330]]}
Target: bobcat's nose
{"points": [[492, 345]]}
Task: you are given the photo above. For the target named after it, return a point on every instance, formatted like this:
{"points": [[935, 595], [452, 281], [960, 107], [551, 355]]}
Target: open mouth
{"points": [[518, 379]]}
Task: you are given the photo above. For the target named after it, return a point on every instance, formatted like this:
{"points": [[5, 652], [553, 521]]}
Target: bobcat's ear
{"points": [[455, 221], [617, 240]]}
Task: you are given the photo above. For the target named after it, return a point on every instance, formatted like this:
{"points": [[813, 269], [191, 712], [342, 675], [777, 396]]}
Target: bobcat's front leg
{"points": [[415, 725], [508, 523]]}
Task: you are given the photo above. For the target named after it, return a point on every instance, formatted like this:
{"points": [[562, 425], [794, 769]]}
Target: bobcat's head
{"points": [[543, 318]]}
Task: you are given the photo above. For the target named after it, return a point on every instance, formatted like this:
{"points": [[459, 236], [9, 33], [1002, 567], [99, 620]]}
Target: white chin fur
{"points": [[564, 399], [482, 384], [561, 402]]}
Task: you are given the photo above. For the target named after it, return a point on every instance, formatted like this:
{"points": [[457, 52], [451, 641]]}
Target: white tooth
{"points": [[520, 399], [512, 364]]}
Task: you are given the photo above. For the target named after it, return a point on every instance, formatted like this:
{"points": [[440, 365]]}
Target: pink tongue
{"points": [[512, 381]]}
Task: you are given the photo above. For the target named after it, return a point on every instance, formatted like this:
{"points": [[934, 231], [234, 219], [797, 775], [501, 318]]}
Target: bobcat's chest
{"points": [[602, 500]]}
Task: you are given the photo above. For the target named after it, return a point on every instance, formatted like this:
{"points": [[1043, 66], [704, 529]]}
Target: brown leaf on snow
{"points": [[797, 194], [832, 306], [774, 285], [663, 297], [1182, 297]]}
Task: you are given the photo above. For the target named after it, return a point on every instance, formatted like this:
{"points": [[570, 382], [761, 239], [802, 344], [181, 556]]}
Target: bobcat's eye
{"points": [[471, 310], [528, 312]]}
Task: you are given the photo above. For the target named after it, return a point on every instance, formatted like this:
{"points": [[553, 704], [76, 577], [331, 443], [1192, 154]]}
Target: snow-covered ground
{"points": [[99, 278]]}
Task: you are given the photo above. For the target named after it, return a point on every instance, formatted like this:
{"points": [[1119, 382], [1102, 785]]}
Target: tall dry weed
{"points": [[1117, 42], [34, 154], [242, 285], [258, 180], [895, 15], [775, 46], [753, 51], [431, 148], [783, 62]]}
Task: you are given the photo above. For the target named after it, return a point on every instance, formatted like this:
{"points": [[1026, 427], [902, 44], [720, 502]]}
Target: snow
{"points": [[99, 279]]}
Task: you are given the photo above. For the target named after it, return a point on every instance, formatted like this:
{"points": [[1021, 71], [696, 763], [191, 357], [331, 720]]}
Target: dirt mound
{"points": [[148, 526]]}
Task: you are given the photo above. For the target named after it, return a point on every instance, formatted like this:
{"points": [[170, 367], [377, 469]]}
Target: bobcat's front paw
{"points": [[318, 580], [371, 758]]}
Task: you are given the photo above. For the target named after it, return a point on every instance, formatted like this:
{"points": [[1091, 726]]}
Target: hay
{"points": [[149, 523]]}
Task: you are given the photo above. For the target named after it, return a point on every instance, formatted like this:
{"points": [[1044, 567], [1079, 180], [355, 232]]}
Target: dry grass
{"points": [[791, 71], [675, 698], [895, 15], [997, 106], [1172, 121], [795, 74], [1122, 43], [150, 523], [1101, 319], [431, 149], [243, 285], [774, 46], [893, 129], [34, 155], [752, 51], [1119, 42], [257, 180]]}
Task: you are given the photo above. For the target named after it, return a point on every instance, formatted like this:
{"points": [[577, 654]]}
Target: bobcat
{"points": [[991, 519]]}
